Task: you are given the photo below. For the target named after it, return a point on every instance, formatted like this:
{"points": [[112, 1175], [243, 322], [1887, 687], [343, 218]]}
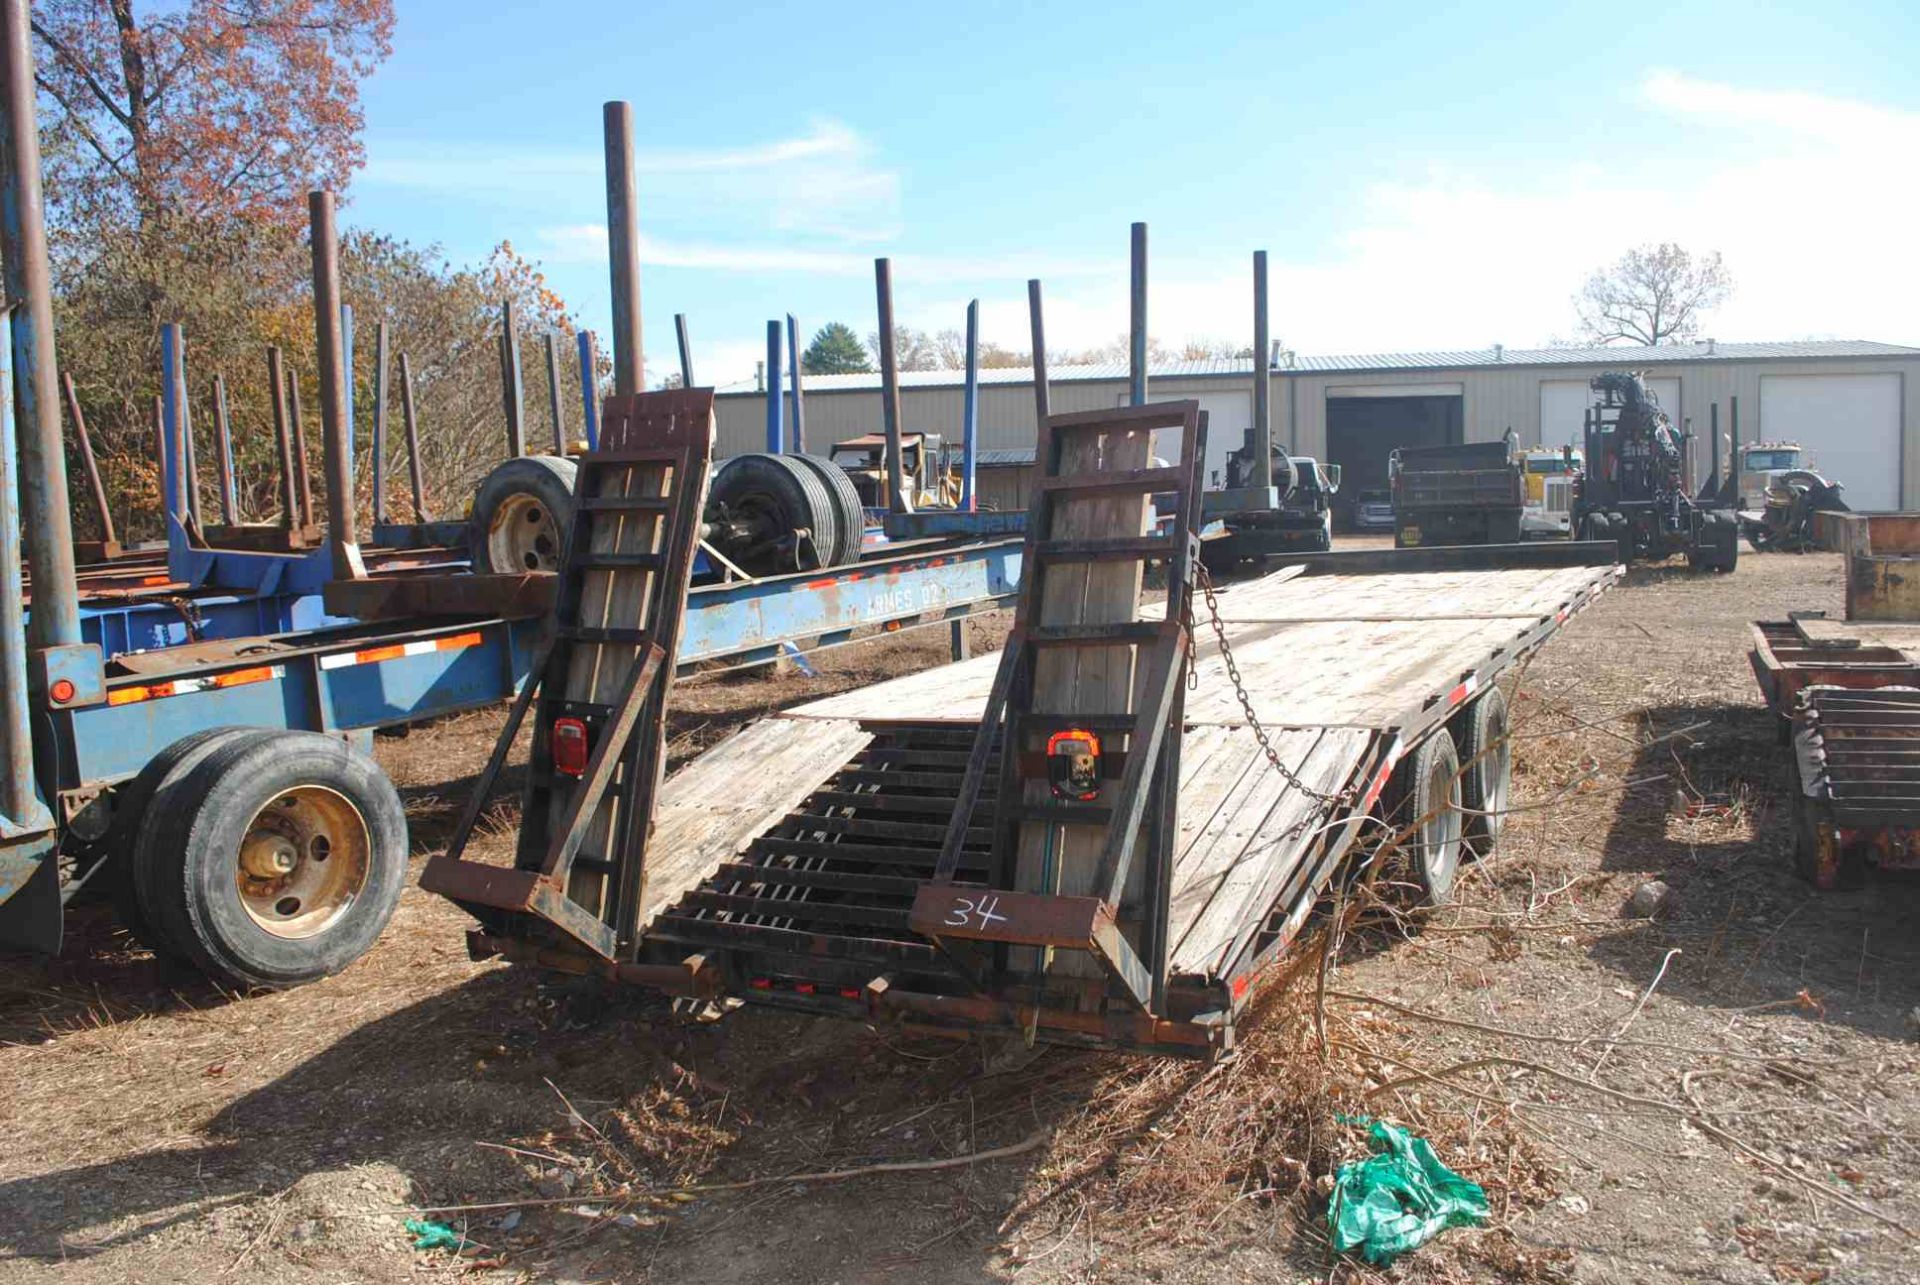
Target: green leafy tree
{"points": [[835, 350]]}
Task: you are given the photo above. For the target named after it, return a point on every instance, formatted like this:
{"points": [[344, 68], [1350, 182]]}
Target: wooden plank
{"points": [[717, 805], [1064, 860], [1232, 886]]}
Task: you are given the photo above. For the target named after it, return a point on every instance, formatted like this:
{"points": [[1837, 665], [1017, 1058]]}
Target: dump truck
{"points": [[1467, 493]]}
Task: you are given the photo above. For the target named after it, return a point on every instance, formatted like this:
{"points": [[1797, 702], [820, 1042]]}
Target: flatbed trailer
{"points": [[1846, 696], [786, 862]]}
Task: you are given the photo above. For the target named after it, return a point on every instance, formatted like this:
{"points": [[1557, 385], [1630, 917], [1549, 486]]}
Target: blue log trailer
{"points": [[221, 790]]}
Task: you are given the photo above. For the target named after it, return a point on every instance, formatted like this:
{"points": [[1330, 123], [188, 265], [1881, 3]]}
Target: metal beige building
{"points": [[1855, 404]]}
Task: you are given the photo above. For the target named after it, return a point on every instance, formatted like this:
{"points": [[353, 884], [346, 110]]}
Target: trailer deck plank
{"points": [[1225, 893], [1327, 673], [716, 805]]}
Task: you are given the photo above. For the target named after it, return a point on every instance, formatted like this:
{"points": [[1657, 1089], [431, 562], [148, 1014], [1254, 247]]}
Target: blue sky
{"points": [[1423, 176]]}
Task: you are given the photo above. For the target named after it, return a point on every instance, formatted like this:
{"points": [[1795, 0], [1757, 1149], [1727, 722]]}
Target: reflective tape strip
{"points": [[181, 686], [394, 651], [1464, 690], [1380, 778]]}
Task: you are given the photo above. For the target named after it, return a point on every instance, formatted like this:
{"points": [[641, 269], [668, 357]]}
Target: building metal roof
{"points": [[1636, 357]]}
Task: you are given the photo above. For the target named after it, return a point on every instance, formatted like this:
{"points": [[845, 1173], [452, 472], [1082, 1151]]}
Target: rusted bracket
{"points": [[944, 911]]}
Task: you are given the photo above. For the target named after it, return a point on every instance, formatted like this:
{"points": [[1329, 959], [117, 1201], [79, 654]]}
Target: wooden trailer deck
{"points": [[791, 852]]}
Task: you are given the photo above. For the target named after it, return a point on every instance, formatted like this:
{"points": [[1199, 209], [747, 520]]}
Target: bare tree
{"points": [[1655, 294]]}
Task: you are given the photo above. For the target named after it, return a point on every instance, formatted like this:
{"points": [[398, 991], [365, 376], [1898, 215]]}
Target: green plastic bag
{"points": [[428, 1234], [1399, 1198]]}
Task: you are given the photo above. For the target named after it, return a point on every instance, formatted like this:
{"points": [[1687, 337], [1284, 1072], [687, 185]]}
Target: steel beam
{"points": [[899, 499], [46, 516], [336, 437], [623, 250]]}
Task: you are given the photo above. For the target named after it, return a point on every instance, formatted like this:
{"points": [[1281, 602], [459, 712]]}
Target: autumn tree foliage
{"points": [[211, 110]]}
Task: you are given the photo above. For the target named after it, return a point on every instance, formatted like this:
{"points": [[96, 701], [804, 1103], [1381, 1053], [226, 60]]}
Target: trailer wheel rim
{"points": [[1496, 769], [304, 860], [1440, 832], [524, 535]]}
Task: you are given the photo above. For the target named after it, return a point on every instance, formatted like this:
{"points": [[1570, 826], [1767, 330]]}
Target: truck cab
{"points": [[1763, 465], [1547, 475]]}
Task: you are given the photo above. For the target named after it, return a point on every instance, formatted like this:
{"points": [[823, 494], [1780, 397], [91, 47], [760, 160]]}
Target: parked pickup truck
{"points": [[1466, 494]]}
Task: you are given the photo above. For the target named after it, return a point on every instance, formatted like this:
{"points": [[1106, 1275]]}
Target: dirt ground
{"points": [[1724, 1093]]}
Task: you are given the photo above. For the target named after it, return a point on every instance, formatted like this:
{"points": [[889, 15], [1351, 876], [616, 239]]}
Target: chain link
{"points": [[1205, 582]]}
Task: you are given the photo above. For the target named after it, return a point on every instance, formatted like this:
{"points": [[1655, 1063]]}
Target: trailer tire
{"points": [[521, 516], [131, 804], [1486, 786], [850, 516], [786, 496], [282, 861], [1424, 799]]}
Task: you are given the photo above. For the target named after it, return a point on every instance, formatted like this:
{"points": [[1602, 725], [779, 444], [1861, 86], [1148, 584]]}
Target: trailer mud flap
{"points": [[31, 915]]}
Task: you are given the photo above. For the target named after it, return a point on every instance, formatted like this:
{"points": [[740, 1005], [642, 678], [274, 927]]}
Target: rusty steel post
{"points": [[554, 407], [512, 391], [45, 513], [686, 349], [301, 466], [335, 440], [283, 440], [1037, 322], [223, 459], [413, 440], [1262, 379], [623, 250], [88, 463], [379, 423], [899, 499]]}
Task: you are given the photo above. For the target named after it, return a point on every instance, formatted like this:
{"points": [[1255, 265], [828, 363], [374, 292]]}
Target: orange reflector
{"points": [[62, 691], [455, 642], [569, 746], [241, 677], [371, 654], [127, 695]]}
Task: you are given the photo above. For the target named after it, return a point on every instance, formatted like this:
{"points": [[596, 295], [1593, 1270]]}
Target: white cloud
{"points": [[822, 183], [1808, 198]]}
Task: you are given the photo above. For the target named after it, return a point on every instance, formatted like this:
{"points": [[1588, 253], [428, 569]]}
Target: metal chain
{"points": [[1205, 582]]}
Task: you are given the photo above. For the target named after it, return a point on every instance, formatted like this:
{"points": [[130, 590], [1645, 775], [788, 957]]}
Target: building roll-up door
{"points": [[1564, 403], [1850, 423]]}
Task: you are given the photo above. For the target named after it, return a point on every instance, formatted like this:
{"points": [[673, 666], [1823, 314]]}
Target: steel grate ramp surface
{"points": [[817, 906]]}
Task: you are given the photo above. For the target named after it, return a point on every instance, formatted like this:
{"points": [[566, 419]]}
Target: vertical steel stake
{"points": [[223, 457], [413, 441], [799, 405], [899, 498], [623, 250], [336, 436]]}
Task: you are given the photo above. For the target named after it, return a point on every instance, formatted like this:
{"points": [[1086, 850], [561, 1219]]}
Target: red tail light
{"points": [[570, 746]]}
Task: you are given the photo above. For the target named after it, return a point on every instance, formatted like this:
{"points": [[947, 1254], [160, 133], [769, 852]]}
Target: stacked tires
{"points": [[265, 858], [803, 510]]}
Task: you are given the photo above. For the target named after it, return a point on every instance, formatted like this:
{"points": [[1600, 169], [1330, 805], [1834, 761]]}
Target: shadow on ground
{"points": [[1708, 812]]}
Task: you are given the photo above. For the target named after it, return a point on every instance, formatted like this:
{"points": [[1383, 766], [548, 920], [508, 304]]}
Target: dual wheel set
{"points": [[265, 858], [1448, 798], [766, 514]]}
